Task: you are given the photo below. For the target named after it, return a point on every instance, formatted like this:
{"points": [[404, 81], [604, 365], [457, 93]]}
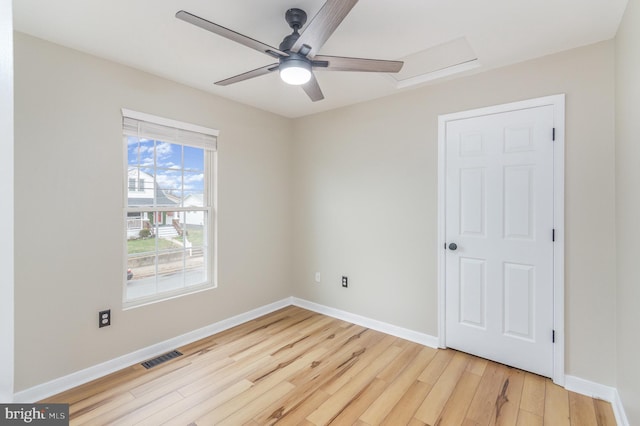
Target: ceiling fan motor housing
{"points": [[296, 19]]}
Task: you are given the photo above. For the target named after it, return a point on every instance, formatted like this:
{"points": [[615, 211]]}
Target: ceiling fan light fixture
{"points": [[295, 71]]}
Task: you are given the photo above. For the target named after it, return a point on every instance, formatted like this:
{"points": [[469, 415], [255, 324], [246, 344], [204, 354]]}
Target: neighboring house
{"points": [[141, 189], [194, 218]]}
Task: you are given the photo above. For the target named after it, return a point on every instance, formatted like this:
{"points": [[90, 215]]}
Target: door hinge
{"points": [[553, 235], [553, 336], [553, 134]]}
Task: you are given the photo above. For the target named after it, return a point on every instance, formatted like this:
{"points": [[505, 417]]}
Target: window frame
{"points": [[209, 208]]}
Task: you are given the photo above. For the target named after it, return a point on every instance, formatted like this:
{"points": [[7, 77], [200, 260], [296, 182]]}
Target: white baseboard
{"points": [[596, 390], [383, 327], [78, 378]]}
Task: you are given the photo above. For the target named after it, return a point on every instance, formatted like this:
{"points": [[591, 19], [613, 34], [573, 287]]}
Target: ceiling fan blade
{"points": [[323, 25], [339, 63], [247, 75], [312, 89], [230, 34]]}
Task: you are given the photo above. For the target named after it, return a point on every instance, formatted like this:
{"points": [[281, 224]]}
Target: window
{"points": [[170, 213]]}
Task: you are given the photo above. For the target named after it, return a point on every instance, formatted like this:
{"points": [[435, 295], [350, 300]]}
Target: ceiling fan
{"points": [[297, 55]]}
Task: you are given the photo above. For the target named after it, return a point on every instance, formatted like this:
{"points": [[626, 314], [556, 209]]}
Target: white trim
{"points": [[618, 410], [558, 102], [442, 125], [78, 378], [142, 116], [383, 327], [598, 391], [7, 190]]}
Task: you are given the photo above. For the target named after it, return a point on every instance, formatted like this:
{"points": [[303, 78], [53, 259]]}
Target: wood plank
{"points": [[434, 403], [432, 373], [321, 371], [490, 396], [266, 385], [357, 363], [298, 413], [604, 413], [455, 410], [92, 413], [582, 410], [249, 410], [556, 405], [183, 412], [360, 402], [381, 407], [477, 366], [405, 408], [141, 412], [533, 394], [506, 412], [345, 394], [527, 418]]}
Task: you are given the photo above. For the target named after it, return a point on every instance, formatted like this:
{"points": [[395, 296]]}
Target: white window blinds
{"points": [[157, 128]]}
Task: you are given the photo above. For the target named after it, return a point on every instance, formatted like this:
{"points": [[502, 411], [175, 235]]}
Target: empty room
{"points": [[319, 212]]}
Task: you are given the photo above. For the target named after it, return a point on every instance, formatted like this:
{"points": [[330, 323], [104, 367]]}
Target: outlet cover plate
{"points": [[104, 318]]}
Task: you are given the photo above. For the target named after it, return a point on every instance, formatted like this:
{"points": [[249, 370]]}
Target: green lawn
{"points": [[195, 236], [148, 245]]}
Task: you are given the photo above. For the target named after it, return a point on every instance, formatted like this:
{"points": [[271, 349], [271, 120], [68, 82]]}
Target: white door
{"points": [[499, 197]]}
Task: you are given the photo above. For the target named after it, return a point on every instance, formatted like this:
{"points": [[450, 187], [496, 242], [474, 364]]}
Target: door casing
{"points": [[558, 102]]}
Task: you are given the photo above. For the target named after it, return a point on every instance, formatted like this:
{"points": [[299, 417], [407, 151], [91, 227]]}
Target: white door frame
{"points": [[557, 101]]}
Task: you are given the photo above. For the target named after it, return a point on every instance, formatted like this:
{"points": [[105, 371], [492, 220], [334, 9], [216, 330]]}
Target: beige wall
{"points": [[628, 208], [68, 208], [365, 195]]}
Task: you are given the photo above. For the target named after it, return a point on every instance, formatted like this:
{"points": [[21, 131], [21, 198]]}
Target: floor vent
{"points": [[162, 358]]}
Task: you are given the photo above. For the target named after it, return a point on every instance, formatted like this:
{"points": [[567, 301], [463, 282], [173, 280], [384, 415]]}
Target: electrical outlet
{"points": [[104, 318], [345, 281], [317, 277]]}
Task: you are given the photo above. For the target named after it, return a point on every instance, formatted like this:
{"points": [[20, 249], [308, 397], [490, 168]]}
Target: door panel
{"points": [[519, 315], [472, 208], [472, 292], [499, 213]]}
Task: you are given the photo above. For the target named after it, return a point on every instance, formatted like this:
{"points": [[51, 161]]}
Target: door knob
{"points": [[453, 246]]}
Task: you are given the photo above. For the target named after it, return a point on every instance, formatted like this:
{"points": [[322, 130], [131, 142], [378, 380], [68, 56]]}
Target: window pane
{"points": [[141, 276], [168, 155], [170, 270], [194, 184], [195, 245], [140, 188], [193, 159], [169, 188], [133, 149], [145, 153]]}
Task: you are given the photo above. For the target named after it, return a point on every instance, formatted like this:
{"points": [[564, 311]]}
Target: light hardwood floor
{"points": [[295, 367]]}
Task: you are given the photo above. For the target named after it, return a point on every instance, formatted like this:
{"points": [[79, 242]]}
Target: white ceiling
{"points": [[144, 34]]}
